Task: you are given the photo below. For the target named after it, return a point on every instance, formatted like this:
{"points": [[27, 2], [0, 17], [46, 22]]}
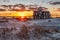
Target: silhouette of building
{"points": [[41, 13]]}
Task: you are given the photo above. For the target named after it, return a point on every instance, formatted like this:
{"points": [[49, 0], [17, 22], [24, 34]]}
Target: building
{"points": [[41, 13]]}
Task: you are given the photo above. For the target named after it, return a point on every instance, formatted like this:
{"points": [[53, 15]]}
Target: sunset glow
{"points": [[54, 13], [40, 3], [13, 13]]}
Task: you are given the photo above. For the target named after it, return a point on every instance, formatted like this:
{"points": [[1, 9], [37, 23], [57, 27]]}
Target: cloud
{"points": [[55, 3], [58, 9]]}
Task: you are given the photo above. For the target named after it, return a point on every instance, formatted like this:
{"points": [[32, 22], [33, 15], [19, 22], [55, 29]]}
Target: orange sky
{"points": [[55, 12]]}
